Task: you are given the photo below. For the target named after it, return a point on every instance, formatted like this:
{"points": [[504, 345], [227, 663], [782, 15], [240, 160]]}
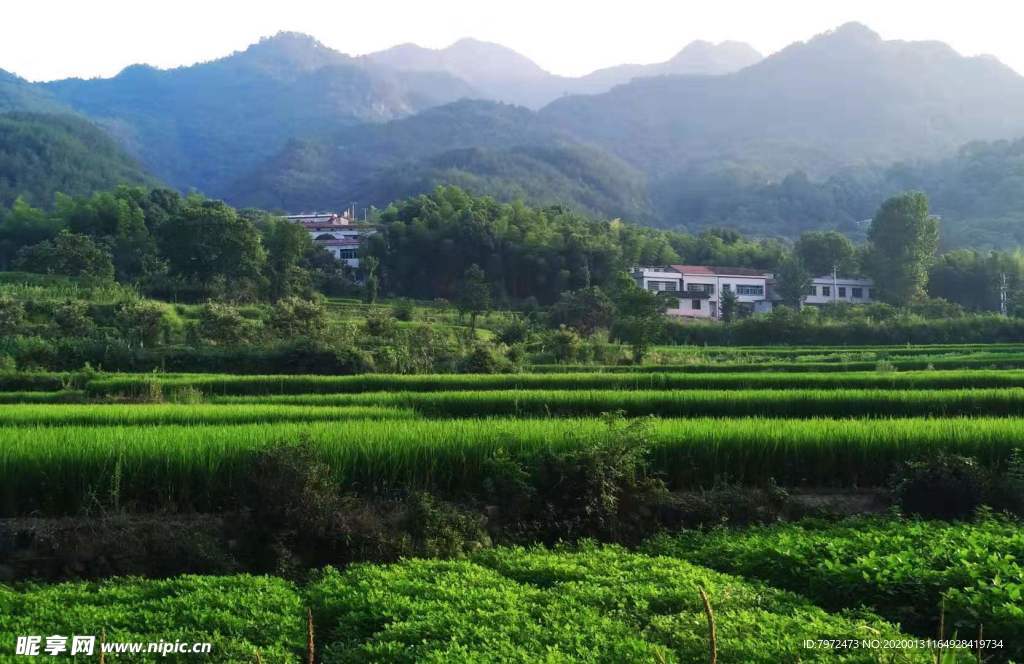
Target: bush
{"points": [[73, 320], [403, 310], [483, 359], [224, 325], [143, 323], [946, 487], [12, 316], [294, 317]]}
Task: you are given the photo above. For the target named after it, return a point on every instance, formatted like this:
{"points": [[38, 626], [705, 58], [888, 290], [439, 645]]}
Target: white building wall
{"points": [[826, 290]]}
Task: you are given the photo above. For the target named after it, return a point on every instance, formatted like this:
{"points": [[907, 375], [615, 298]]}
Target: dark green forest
{"points": [[42, 154]]}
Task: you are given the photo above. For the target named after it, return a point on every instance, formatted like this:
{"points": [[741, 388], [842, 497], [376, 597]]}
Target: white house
{"points": [[339, 234], [830, 289], [696, 290]]}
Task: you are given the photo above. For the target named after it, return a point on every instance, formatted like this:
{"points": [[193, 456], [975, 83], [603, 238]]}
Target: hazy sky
{"points": [[47, 39]]}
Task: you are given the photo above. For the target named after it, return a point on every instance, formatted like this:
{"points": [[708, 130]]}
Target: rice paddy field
{"points": [[808, 420]]}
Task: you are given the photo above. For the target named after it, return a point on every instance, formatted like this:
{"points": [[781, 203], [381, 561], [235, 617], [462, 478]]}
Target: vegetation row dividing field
{"points": [[674, 403], [140, 385]]}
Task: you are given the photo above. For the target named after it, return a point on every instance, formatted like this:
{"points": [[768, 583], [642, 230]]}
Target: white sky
{"points": [[48, 39]]}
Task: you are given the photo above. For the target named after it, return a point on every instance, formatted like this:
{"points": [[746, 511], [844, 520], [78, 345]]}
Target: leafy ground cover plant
{"points": [[903, 569]]}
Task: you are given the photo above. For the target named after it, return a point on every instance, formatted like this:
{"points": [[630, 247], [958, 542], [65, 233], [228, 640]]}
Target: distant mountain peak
{"points": [[288, 52], [852, 32]]}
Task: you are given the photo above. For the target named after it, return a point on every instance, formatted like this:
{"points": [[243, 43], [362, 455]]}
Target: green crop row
{"points": [[712, 365], [597, 604], [58, 470], [68, 415], [676, 403], [224, 384], [902, 569]]}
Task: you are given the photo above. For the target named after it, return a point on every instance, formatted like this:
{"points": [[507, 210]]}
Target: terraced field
{"points": [[835, 419]]}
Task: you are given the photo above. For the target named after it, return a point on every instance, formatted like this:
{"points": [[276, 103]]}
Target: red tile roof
{"points": [[711, 270]]}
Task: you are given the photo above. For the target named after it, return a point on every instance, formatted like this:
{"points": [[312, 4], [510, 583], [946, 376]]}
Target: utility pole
{"points": [[1002, 294]]}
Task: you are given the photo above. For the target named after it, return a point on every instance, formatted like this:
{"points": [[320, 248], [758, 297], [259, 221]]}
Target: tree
{"points": [[585, 310], [793, 283], [903, 240], [371, 282], [639, 317], [69, 254], [287, 246], [24, 225], [730, 305], [821, 251], [474, 294], [143, 323], [207, 240]]}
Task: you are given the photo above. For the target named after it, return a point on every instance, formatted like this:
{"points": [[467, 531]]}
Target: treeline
{"points": [[977, 193], [426, 245], [172, 247]]}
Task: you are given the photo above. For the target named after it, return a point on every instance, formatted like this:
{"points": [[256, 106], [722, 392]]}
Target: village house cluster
{"points": [[339, 233], [696, 291]]}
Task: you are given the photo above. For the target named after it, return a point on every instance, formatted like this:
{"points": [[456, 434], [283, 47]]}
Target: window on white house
{"points": [[346, 253], [858, 292], [746, 289], [842, 291], [826, 291], [814, 290], [695, 304]]}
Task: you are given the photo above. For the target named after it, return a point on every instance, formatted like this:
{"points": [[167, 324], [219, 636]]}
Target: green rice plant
{"points": [[905, 570], [222, 384], [60, 470], [674, 403], [31, 415]]}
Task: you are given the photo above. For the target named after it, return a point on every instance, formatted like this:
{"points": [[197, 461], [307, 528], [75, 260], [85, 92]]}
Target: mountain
{"points": [[200, 126], [17, 94], [501, 74], [42, 154], [699, 57], [485, 147], [845, 97]]}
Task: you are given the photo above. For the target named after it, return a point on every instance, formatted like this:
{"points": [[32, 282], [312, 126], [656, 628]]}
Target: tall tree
{"points": [[792, 282], [903, 240], [474, 294], [821, 251], [208, 241]]}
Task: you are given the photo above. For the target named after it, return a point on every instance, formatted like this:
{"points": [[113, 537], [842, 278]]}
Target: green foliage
{"points": [[902, 569], [46, 154], [239, 615], [223, 325], [820, 252], [943, 487], [595, 604], [903, 240], [68, 254], [294, 317], [208, 242], [474, 294], [585, 310], [793, 283], [142, 322]]}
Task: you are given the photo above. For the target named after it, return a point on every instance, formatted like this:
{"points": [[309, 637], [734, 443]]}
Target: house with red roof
{"points": [[695, 291]]}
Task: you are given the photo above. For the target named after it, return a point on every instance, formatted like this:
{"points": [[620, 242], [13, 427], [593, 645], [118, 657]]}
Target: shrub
{"points": [[73, 320], [483, 359], [294, 317], [945, 487], [143, 323], [12, 316], [224, 325], [403, 310]]}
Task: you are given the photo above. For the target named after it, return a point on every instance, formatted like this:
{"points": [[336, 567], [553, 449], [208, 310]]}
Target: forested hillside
{"points": [[843, 98], [202, 126], [42, 154]]}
